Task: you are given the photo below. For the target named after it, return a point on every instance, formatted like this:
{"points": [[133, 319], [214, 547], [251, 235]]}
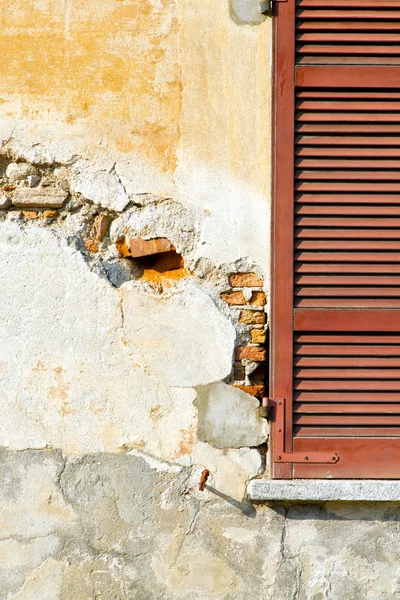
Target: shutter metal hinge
{"points": [[275, 408]]}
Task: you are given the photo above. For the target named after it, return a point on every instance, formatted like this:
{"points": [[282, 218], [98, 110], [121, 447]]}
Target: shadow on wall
{"points": [[337, 511]]}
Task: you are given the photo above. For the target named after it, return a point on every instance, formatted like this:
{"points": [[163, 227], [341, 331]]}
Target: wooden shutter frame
{"points": [[281, 380], [284, 317]]}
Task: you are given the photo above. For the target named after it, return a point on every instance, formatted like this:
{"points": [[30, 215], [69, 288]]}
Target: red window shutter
{"points": [[335, 372]]}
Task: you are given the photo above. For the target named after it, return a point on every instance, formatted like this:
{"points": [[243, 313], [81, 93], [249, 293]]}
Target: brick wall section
{"points": [[247, 300]]}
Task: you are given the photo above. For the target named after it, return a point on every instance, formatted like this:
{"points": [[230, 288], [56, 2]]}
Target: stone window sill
{"points": [[324, 490]]}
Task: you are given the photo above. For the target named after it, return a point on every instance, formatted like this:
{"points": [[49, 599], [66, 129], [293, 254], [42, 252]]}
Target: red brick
{"points": [[245, 280], [254, 353], [234, 298], [140, 247], [258, 299], [252, 317]]}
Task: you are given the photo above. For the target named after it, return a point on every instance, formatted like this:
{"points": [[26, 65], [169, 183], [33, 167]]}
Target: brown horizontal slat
{"points": [[338, 26], [341, 151], [346, 268], [348, 291], [355, 320], [347, 373], [340, 117], [357, 420], [346, 280], [347, 175], [352, 397], [348, 105], [346, 362], [348, 199], [331, 140], [347, 245], [347, 128], [348, 186], [315, 163], [368, 257], [318, 408], [360, 303], [341, 349], [351, 234], [343, 432], [348, 94], [343, 60], [325, 221], [341, 338], [350, 384], [334, 10], [348, 210], [353, 37], [380, 77]]}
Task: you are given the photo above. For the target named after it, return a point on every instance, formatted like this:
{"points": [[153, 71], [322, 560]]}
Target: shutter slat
{"points": [[346, 280], [377, 257], [348, 199], [315, 408], [347, 303], [346, 420], [346, 268], [349, 385], [310, 163], [346, 361], [348, 210], [306, 234]]}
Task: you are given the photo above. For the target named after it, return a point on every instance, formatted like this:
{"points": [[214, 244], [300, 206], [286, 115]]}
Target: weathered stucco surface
{"points": [[147, 122]]}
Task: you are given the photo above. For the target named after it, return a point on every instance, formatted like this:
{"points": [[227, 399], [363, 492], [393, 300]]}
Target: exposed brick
{"points": [[254, 353], [258, 299], [91, 246], [245, 280], [49, 214], [252, 317], [30, 214], [140, 247], [234, 298], [258, 336], [122, 247], [239, 372], [100, 227], [258, 391]]}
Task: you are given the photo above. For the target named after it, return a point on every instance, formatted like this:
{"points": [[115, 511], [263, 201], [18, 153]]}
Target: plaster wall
{"points": [[138, 121]]}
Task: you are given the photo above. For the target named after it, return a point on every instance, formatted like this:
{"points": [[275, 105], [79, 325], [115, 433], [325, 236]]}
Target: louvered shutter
{"points": [[335, 372]]}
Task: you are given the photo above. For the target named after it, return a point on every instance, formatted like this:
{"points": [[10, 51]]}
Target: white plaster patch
{"points": [[67, 378], [182, 336], [229, 418], [236, 219]]}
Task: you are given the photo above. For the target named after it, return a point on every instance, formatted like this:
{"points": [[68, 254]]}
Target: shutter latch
{"points": [[277, 405]]}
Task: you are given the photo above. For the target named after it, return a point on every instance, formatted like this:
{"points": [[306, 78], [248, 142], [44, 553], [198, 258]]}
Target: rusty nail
{"points": [[279, 402], [203, 479], [278, 458], [333, 457], [306, 458], [279, 429]]}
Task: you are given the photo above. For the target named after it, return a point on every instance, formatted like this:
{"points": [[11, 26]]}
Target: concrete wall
{"points": [[134, 229]]}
